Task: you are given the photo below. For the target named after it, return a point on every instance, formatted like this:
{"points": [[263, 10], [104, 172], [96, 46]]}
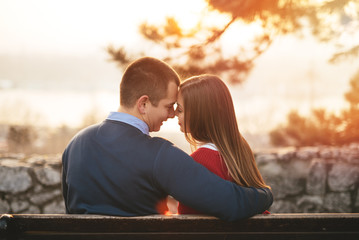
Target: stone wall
{"points": [[312, 180], [320, 179], [30, 185]]}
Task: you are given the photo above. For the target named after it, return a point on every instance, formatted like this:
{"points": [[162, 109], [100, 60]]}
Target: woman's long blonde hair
{"points": [[209, 117]]}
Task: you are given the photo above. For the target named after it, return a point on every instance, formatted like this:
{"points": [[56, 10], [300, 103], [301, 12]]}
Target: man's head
{"points": [[150, 87]]}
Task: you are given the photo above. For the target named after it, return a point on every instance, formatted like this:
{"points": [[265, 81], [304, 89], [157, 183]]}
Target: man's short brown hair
{"points": [[146, 76]]}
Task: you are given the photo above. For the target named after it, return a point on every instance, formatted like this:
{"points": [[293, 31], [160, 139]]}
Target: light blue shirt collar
{"points": [[129, 119]]}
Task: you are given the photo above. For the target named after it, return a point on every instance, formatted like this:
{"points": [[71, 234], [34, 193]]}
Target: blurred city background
{"points": [[292, 66]]}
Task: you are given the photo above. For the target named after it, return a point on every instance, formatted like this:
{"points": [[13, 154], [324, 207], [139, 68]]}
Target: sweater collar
{"points": [[209, 146]]}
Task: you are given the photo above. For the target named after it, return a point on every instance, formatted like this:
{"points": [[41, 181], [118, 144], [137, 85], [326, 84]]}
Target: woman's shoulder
{"points": [[205, 155], [204, 151], [212, 160]]}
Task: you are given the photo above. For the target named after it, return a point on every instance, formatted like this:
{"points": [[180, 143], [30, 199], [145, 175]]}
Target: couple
{"points": [[116, 168]]}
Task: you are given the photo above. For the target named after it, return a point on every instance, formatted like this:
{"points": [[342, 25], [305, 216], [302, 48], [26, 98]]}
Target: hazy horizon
{"points": [[79, 84]]}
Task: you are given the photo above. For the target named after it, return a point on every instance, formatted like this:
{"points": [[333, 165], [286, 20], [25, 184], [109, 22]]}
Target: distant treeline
{"points": [[322, 128]]}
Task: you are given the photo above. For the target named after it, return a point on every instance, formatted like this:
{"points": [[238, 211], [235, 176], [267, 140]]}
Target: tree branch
{"points": [[218, 34]]}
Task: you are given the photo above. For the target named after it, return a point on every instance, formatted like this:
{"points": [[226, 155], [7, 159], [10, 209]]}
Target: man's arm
{"points": [[193, 185]]}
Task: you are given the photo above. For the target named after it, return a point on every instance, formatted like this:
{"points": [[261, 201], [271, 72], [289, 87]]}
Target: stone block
{"points": [[286, 154], [48, 176], [282, 206], [32, 210], [329, 153], [306, 153], [14, 179], [298, 168], [56, 207], [41, 198], [349, 154], [262, 159], [310, 204], [4, 206], [271, 168], [343, 177], [19, 206], [337, 202], [36, 160], [286, 179], [284, 186], [317, 177]]}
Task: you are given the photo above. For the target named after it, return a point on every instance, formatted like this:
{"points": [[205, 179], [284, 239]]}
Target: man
{"points": [[116, 168]]}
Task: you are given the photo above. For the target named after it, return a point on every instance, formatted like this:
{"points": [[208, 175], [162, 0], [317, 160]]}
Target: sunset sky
{"points": [[293, 73], [82, 26]]}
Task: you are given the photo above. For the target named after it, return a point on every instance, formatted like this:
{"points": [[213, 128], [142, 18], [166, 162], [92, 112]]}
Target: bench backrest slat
{"points": [[306, 226]]}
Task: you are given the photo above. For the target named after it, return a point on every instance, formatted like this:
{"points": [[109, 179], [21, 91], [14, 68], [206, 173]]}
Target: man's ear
{"points": [[142, 104]]}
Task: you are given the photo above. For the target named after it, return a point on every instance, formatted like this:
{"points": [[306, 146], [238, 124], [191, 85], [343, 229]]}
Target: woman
{"points": [[206, 116]]}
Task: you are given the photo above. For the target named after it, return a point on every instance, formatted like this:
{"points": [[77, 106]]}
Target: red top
{"points": [[212, 160]]}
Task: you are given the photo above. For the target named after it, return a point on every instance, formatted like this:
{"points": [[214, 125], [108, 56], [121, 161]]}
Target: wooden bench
{"points": [[274, 226]]}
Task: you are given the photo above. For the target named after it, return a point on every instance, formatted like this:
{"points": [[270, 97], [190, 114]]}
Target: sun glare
{"points": [[188, 20], [187, 13], [168, 213]]}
